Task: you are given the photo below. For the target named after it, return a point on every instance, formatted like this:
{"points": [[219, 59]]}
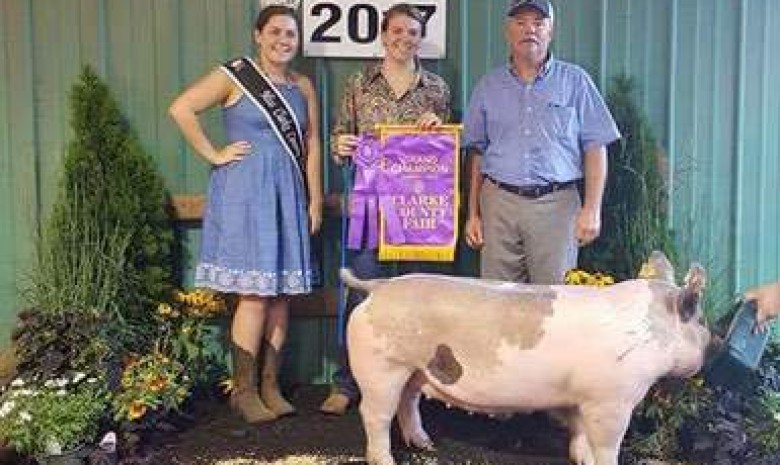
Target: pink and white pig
{"points": [[588, 354]]}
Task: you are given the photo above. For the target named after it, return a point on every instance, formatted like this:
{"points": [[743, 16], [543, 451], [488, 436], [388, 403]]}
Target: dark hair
{"points": [[401, 9], [269, 12]]}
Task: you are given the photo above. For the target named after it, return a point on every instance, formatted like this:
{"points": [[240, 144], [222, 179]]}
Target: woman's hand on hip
{"points": [[230, 153]]}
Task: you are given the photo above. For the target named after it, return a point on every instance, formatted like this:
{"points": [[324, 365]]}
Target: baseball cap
{"points": [[542, 6]]}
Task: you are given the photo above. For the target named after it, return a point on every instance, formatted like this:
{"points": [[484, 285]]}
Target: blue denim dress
{"points": [[256, 227]]}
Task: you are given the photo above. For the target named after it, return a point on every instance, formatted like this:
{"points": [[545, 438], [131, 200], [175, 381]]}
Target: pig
{"points": [[586, 354]]}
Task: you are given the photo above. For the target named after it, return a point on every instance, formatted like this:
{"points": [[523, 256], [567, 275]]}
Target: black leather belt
{"points": [[534, 192]]}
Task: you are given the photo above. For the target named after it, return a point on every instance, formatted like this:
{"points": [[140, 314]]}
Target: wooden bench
{"points": [[321, 302]]}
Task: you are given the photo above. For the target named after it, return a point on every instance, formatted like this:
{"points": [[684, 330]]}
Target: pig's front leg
{"points": [[579, 448], [409, 415], [605, 425]]}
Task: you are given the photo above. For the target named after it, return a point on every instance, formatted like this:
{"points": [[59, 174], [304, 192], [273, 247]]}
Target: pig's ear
{"points": [[692, 292], [657, 266]]}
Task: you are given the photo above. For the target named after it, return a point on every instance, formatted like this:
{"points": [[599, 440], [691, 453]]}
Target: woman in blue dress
{"points": [[259, 212]]}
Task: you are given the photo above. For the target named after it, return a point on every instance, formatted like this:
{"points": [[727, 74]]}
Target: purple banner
{"points": [[411, 178], [417, 194]]}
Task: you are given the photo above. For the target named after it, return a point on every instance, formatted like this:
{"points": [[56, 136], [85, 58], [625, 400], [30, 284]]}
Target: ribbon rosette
{"points": [[370, 189]]}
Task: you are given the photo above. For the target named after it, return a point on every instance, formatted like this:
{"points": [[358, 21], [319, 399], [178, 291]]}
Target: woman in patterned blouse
{"points": [[396, 90]]}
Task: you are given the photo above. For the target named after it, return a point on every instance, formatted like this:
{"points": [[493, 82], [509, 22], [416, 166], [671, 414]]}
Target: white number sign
{"points": [[294, 4], [349, 28]]}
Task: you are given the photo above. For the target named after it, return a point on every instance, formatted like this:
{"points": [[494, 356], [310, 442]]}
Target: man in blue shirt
{"points": [[535, 128]]}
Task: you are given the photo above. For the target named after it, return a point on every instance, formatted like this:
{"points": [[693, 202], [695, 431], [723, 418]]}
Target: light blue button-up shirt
{"points": [[534, 133]]}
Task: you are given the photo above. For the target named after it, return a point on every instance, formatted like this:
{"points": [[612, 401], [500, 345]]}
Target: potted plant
{"points": [[55, 419]]}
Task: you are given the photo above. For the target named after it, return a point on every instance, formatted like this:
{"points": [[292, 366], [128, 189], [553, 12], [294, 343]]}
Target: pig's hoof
{"points": [[579, 451], [427, 446], [380, 460], [421, 442]]}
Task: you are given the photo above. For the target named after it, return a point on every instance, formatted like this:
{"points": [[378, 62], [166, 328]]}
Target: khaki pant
{"points": [[528, 240]]}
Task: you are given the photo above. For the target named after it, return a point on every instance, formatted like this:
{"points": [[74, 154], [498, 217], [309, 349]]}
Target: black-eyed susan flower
{"points": [[158, 383]]}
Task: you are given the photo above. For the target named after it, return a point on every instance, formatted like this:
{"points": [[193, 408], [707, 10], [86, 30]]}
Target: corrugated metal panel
{"points": [[756, 141], [702, 66], [20, 152]]}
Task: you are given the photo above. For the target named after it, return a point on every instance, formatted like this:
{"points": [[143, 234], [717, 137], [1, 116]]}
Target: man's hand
{"points": [[588, 226], [767, 299], [474, 237]]}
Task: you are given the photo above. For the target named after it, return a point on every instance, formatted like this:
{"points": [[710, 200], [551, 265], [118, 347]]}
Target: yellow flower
{"points": [[573, 277], [583, 278], [136, 410], [164, 309]]}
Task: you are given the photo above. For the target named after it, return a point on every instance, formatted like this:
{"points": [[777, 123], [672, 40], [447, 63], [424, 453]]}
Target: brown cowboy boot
{"points": [[337, 403], [269, 382], [244, 399]]}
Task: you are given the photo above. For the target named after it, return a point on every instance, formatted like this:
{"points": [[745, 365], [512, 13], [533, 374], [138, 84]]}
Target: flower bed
{"points": [[52, 416]]}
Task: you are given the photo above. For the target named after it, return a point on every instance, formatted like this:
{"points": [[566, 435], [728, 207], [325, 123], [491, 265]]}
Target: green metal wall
{"points": [[703, 69]]}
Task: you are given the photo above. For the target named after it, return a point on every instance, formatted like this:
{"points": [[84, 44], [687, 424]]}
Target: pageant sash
{"points": [[267, 98], [405, 197]]}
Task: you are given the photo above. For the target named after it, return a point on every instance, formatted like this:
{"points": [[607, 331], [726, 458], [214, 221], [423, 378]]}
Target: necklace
{"points": [[284, 79], [400, 79]]}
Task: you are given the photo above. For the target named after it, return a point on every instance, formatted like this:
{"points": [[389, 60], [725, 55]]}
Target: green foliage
{"points": [[57, 415], [74, 289], [120, 192], [708, 423], [80, 265], [634, 220], [764, 424], [184, 359], [188, 335], [657, 420], [49, 345], [152, 383]]}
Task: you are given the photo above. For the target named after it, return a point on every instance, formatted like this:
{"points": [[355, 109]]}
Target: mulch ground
{"points": [[311, 438]]}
